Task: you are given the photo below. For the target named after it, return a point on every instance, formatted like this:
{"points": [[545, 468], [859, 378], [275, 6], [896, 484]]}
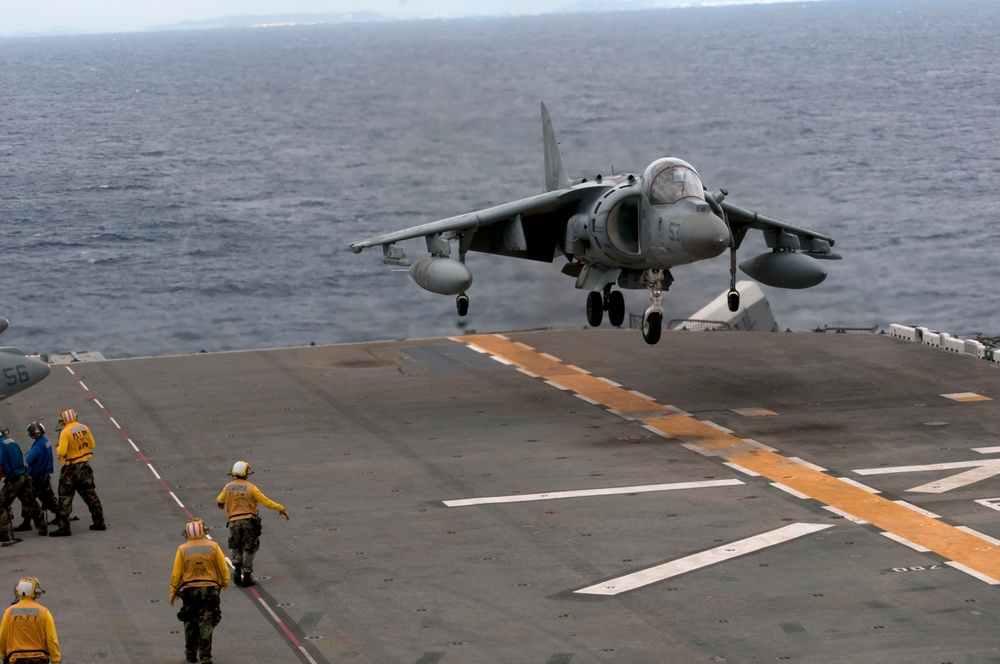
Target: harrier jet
{"points": [[625, 230], [18, 372]]}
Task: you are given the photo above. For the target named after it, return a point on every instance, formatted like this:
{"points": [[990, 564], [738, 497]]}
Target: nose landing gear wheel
{"points": [[652, 322], [595, 308], [462, 304]]}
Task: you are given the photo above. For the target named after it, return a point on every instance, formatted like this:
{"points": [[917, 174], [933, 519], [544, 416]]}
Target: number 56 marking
{"points": [[15, 375]]}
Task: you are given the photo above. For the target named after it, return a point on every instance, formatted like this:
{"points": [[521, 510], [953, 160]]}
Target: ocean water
{"points": [[174, 192]]}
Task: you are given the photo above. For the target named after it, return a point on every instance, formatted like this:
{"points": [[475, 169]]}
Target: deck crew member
{"points": [[200, 573], [39, 460], [76, 447], [17, 484], [6, 521], [28, 632], [240, 498]]}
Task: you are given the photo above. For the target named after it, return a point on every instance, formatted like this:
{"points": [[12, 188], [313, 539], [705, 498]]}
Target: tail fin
{"points": [[555, 174]]}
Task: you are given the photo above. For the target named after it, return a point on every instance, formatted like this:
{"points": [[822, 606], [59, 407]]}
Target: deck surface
{"points": [[737, 497]]}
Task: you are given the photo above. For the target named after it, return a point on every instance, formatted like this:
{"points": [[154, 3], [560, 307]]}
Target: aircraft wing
{"points": [[531, 228], [778, 233]]}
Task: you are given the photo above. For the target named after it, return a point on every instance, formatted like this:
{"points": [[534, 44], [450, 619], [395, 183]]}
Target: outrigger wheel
{"points": [[733, 299], [462, 304]]}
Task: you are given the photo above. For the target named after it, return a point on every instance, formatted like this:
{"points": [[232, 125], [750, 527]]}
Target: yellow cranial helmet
{"points": [[195, 529], [68, 415], [28, 587], [241, 469]]}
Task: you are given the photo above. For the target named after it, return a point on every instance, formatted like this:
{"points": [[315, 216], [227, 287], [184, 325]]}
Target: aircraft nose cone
{"points": [[704, 235], [43, 369]]}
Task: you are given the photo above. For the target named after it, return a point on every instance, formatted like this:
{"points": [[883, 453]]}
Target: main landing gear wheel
{"points": [[595, 308], [462, 304], [652, 325], [616, 308]]}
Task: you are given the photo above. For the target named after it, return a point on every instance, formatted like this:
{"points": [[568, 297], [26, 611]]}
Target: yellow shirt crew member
{"points": [[76, 447], [200, 572], [198, 563], [76, 443], [28, 631], [240, 498]]}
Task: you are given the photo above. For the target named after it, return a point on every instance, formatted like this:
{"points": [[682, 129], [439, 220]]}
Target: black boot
{"points": [[98, 526], [248, 580], [61, 532], [238, 574], [24, 527]]}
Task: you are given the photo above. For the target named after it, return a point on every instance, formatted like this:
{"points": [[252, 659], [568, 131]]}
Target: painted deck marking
{"points": [[696, 561], [294, 642], [611, 491], [980, 470], [965, 549], [754, 412], [966, 396]]}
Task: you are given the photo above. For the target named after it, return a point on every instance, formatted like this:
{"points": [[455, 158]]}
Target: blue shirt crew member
{"points": [[41, 467], [17, 484]]}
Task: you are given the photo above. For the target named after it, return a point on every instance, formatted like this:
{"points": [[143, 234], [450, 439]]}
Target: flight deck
{"points": [[560, 497]]}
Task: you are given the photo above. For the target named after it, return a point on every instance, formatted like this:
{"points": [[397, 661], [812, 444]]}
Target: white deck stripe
{"points": [[972, 572], [845, 515], [789, 490], [972, 531], [863, 487], [905, 542], [529, 497], [920, 510], [736, 466], [703, 559]]}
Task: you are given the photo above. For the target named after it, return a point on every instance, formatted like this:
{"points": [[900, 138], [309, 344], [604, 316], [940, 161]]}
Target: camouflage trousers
{"points": [[244, 540], [20, 487], [6, 524], [46, 497], [78, 478], [200, 614]]}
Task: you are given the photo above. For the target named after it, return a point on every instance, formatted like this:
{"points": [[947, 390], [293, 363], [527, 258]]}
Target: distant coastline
{"points": [[246, 21]]}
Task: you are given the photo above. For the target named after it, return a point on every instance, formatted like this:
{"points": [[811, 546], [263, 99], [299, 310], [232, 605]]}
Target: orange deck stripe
{"points": [[946, 540]]}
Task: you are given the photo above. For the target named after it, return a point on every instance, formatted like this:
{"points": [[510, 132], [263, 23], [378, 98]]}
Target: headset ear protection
{"points": [[28, 587], [195, 529]]}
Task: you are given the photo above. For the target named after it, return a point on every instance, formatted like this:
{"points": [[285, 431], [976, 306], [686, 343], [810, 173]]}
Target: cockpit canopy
{"points": [[669, 180]]}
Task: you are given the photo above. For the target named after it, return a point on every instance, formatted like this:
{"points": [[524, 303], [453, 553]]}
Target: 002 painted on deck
{"points": [[739, 497]]}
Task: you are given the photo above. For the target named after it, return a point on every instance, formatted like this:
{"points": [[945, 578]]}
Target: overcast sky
{"points": [[46, 16], [19, 16]]}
